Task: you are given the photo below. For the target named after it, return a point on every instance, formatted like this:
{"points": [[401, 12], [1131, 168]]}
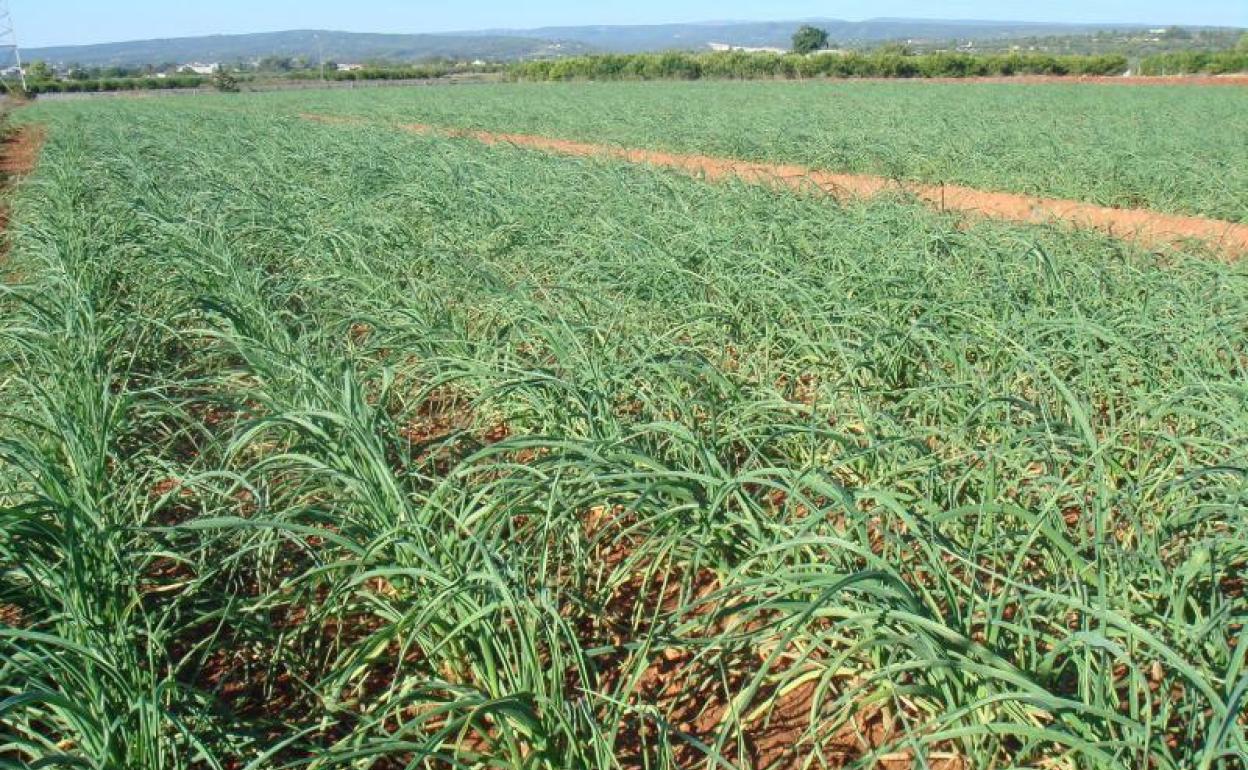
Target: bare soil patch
{"points": [[19, 153], [1146, 227], [1143, 226]]}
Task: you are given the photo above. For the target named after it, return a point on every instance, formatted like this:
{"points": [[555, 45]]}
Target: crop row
{"points": [[340, 447], [1170, 149]]}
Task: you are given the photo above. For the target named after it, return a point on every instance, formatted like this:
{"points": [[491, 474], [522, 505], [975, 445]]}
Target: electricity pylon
{"points": [[8, 42]]}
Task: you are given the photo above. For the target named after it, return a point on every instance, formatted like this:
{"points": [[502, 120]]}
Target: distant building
{"points": [[12, 72], [350, 67], [722, 47], [200, 69]]}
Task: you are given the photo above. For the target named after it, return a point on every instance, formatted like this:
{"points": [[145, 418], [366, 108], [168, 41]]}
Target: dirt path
{"points": [[1142, 226], [19, 153]]}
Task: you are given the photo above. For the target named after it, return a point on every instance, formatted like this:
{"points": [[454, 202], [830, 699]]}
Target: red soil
{"points": [[11, 615], [20, 151], [1142, 226]]}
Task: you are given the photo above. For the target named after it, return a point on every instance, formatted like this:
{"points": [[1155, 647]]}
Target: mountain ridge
{"points": [[539, 42], [333, 45]]}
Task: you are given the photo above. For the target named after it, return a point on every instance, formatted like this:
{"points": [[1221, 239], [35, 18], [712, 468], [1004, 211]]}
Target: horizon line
{"points": [[514, 31]]}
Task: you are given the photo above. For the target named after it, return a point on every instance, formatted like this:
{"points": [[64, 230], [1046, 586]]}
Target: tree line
{"points": [[879, 64], [1198, 62], [810, 58], [430, 71], [94, 85], [41, 80]]}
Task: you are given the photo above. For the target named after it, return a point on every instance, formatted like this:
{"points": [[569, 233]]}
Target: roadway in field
{"points": [[1145, 227]]}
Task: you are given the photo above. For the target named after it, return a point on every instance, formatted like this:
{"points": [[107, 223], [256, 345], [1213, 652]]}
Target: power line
{"points": [[8, 41]]}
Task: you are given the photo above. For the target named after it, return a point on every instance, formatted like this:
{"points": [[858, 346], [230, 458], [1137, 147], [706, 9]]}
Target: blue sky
{"points": [[52, 22]]}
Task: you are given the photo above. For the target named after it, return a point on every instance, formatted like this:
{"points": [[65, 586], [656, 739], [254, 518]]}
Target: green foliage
{"points": [[809, 39], [1122, 146], [80, 79], [13, 88], [895, 49], [119, 84], [224, 81], [342, 447], [79, 72], [276, 64], [39, 70], [86, 84], [890, 63], [384, 72], [1134, 43], [1197, 62]]}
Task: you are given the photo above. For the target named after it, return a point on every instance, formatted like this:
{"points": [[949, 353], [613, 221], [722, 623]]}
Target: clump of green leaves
{"points": [[809, 39], [1101, 144], [315, 459], [225, 81]]}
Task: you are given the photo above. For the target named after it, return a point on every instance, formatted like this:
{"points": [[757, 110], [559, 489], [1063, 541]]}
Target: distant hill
{"points": [[778, 34], [337, 46], [541, 43]]}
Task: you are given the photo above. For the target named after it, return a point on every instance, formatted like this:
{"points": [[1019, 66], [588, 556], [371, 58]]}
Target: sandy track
{"points": [[20, 152], [1143, 226]]}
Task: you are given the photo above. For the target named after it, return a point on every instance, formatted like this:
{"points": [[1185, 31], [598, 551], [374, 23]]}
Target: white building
{"points": [[200, 69], [350, 67], [722, 47]]}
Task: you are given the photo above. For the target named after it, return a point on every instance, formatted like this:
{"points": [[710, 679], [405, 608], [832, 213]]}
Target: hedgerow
{"points": [[742, 65], [1196, 62]]}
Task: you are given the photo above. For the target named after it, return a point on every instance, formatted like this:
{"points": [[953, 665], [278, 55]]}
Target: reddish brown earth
{"points": [[19, 153], [11, 615], [1142, 226]]}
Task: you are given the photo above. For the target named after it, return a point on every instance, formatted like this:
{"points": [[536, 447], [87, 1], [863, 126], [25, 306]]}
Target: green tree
{"points": [[40, 71], [1243, 42], [276, 64], [895, 49], [224, 81], [809, 39]]}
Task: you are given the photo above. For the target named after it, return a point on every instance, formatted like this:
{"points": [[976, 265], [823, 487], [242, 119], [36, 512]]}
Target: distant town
{"points": [[869, 49], [77, 72]]}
